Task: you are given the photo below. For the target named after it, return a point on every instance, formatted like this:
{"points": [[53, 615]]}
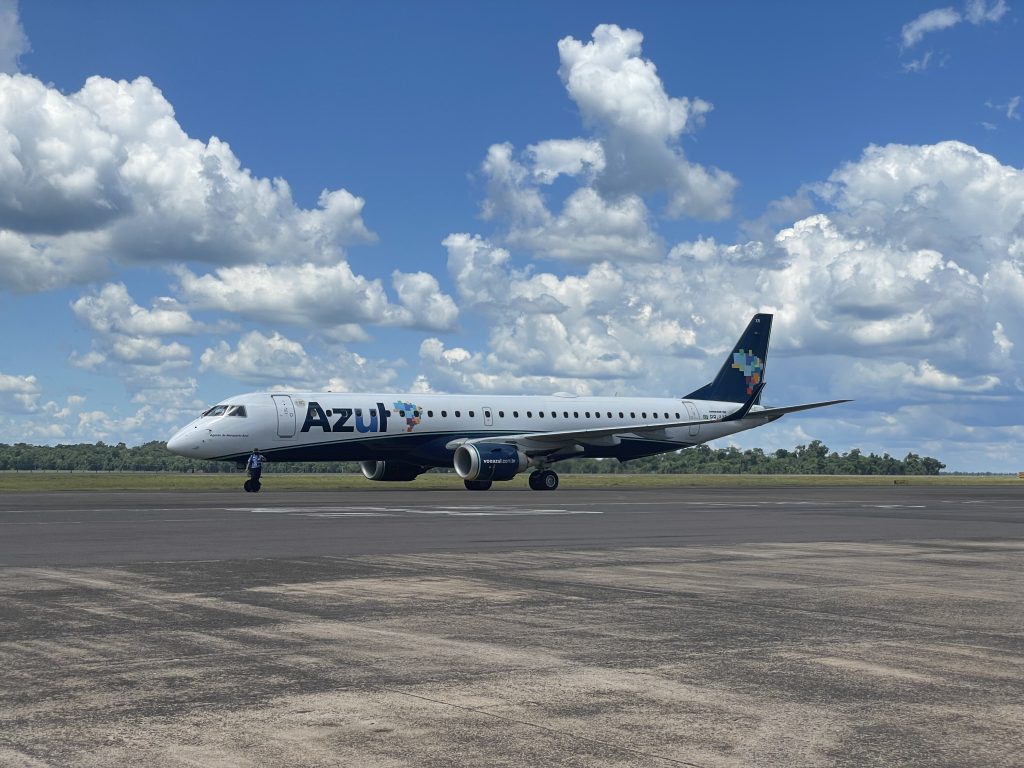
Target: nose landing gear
{"points": [[252, 486], [544, 480]]}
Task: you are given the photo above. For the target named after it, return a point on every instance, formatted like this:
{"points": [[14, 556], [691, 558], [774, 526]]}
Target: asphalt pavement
{"points": [[701, 627]]}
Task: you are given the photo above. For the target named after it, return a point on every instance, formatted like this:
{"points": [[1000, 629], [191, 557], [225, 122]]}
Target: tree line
{"points": [[812, 459]]}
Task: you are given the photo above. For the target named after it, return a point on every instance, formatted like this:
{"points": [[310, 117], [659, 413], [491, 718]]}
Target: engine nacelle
{"points": [[489, 461], [390, 471]]}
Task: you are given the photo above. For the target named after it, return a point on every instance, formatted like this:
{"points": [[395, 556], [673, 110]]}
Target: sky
{"points": [[515, 197]]}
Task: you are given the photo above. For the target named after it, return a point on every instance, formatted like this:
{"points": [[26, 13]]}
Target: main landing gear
{"points": [[541, 480], [544, 480]]}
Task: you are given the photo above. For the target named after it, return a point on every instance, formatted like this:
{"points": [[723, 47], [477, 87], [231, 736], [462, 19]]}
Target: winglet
{"points": [[745, 408]]}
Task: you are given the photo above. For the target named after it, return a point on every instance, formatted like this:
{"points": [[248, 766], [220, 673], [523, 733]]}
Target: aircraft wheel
{"points": [[535, 481], [256, 486], [548, 480], [477, 485], [248, 486]]}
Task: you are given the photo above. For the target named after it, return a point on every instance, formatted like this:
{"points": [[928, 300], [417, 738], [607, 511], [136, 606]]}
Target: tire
{"points": [[548, 480], [477, 485], [535, 481], [248, 486], [256, 487]]}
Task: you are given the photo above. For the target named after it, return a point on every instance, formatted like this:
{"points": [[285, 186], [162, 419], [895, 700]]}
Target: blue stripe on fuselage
{"points": [[429, 449]]}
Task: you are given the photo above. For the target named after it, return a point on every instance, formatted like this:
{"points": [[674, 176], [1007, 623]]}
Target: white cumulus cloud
{"points": [[18, 393], [315, 296], [107, 174], [635, 152], [261, 359], [13, 41], [112, 309], [620, 95], [278, 362]]}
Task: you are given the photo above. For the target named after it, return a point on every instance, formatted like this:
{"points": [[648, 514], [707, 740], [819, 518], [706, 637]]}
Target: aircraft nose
{"points": [[185, 442]]}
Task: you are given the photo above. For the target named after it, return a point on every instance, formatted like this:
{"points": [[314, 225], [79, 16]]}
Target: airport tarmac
{"points": [[405, 627]]}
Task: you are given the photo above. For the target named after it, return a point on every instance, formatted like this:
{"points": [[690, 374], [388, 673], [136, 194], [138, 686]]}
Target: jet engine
{"points": [[489, 461], [390, 470]]}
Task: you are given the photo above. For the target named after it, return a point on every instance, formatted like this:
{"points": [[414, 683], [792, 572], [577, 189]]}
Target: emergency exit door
{"points": [[285, 415]]}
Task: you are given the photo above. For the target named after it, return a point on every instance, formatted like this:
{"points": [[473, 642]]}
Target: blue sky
{"points": [[514, 197]]}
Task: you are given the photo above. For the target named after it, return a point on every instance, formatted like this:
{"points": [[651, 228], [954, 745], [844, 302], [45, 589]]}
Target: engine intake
{"points": [[390, 471], [489, 461]]}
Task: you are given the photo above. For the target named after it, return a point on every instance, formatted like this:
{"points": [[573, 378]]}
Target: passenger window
{"points": [[632, 414], [444, 414], [620, 414], [430, 414], [644, 414], [609, 414], [677, 415], [458, 414], [575, 414], [329, 412], [402, 414], [529, 414], [501, 414], [515, 414], [587, 413], [471, 414], [565, 414]]}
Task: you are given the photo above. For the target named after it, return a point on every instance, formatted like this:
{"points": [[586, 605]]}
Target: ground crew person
{"points": [[255, 467]]}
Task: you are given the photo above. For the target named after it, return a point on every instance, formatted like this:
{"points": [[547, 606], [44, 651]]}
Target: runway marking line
{"points": [[473, 511]]}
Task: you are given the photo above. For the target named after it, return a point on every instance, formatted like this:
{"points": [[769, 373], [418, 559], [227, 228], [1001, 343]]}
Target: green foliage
{"points": [[149, 457], [813, 459]]}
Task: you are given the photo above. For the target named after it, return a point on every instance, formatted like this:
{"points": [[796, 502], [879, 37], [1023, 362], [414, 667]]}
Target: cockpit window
{"points": [[217, 410], [236, 410]]}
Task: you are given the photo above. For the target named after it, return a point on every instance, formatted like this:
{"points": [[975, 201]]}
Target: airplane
{"points": [[486, 438]]}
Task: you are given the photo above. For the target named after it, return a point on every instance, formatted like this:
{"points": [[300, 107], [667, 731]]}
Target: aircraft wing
{"points": [[545, 442]]}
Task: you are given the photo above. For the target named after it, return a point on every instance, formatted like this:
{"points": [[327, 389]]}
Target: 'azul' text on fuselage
{"points": [[366, 420]]}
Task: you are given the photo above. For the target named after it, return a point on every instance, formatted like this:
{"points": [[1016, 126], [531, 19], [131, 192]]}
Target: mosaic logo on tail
{"points": [[751, 366]]}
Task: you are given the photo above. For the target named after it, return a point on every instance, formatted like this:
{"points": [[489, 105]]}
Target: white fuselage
{"points": [[335, 426]]}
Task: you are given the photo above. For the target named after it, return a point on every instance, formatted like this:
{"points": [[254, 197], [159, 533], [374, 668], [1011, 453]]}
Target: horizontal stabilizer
{"points": [[776, 412]]}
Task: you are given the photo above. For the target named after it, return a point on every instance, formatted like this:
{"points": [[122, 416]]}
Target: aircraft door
{"points": [[285, 415], [692, 415], [488, 417]]}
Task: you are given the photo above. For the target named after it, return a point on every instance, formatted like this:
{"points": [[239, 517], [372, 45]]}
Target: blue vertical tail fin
{"points": [[743, 369]]}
